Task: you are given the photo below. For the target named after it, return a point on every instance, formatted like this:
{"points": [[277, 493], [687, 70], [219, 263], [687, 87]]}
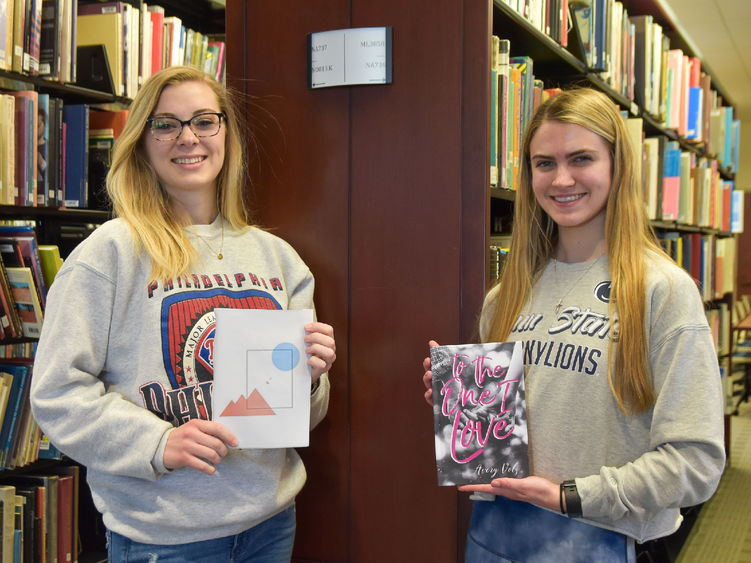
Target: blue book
{"points": [[47, 449], [76, 188], [695, 111], [727, 151], [17, 546], [736, 211], [687, 252], [10, 423], [735, 144]]}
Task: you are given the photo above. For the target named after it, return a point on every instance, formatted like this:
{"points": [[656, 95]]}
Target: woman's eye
{"points": [[163, 125], [542, 164]]}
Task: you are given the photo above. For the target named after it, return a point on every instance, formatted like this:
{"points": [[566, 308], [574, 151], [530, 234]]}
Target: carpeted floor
{"points": [[722, 532]]}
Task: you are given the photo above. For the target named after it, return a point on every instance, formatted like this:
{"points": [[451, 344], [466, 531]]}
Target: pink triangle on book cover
{"points": [[254, 405]]}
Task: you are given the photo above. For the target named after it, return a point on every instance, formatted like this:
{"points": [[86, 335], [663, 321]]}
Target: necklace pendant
{"points": [[220, 256]]}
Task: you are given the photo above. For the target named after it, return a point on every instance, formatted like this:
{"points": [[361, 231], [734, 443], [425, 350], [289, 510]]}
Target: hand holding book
{"points": [[200, 444], [535, 490]]}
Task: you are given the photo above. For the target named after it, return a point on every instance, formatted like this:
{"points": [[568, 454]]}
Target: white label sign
{"points": [[346, 57]]}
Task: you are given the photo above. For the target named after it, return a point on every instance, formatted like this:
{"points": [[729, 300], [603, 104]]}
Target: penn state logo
{"points": [[188, 326], [602, 291]]}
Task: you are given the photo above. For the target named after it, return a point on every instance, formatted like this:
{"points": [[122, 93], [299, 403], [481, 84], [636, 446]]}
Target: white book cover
{"points": [[261, 376]]}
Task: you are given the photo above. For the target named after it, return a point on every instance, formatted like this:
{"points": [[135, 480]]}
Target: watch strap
{"points": [[572, 498]]}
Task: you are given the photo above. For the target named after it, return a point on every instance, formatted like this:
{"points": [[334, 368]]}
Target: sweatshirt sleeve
{"points": [[687, 454], [83, 418], [301, 297]]}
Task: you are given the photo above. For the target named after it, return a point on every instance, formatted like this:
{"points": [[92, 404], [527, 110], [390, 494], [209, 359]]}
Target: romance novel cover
{"points": [[479, 412]]}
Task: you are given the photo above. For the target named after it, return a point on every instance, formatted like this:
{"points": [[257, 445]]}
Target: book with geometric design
{"points": [[261, 378], [479, 412]]}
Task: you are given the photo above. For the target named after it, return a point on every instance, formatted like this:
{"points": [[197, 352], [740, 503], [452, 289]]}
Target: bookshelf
{"points": [[55, 219], [356, 168]]}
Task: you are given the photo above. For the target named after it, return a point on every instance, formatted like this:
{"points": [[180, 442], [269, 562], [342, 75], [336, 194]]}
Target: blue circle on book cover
{"points": [[285, 356]]}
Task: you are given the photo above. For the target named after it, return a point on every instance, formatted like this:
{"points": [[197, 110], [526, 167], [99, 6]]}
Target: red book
{"points": [[115, 120], [157, 38], [65, 518]]}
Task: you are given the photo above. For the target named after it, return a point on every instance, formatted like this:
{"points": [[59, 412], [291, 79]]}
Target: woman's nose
{"points": [[563, 176], [187, 136]]}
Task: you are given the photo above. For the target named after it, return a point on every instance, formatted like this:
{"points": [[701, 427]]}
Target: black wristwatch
{"points": [[573, 500]]}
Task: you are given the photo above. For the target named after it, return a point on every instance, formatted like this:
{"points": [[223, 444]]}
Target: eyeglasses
{"points": [[170, 128]]}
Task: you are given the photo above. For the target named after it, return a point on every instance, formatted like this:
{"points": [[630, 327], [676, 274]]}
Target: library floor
{"points": [[722, 531]]}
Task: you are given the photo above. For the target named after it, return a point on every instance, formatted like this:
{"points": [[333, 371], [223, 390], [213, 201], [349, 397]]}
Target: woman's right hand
{"points": [[427, 378], [200, 444]]}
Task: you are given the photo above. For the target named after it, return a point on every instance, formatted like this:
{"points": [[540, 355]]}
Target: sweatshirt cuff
{"points": [[157, 462]]}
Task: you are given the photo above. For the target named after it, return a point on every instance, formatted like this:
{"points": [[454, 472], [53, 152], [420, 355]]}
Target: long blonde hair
{"points": [[134, 188], [628, 235]]}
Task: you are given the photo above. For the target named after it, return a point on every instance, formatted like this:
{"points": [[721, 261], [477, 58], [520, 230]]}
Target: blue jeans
{"points": [[270, 541], [507, 531]]}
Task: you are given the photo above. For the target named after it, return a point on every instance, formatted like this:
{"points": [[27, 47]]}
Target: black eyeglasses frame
{"points": [[187, 122]]}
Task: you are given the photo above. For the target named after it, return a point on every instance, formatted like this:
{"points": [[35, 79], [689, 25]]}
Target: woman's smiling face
{"points": [[571, 175], [187, 166]]}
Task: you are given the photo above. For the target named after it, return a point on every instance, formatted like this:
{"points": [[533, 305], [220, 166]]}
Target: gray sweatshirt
{"points": [[122, 362], [633, 473]]}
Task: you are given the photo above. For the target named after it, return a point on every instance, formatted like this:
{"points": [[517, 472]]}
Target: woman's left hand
{"points": [[320, 347], [535, 490]]}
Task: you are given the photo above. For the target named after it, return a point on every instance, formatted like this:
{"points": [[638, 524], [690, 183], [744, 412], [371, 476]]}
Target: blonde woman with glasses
{"points": [[123, 375]]}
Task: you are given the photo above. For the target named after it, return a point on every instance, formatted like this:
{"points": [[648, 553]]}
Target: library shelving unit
{"points": [[385, 192], [66, 227]]}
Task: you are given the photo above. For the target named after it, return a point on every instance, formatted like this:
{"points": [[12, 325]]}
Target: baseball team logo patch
{"points": [[188, 325]]}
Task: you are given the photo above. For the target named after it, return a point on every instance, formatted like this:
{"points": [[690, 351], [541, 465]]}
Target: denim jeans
{"points": [[270, 541], [506, 531]]}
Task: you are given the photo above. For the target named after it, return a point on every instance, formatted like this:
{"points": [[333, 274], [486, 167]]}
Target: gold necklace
{"points": [[219, 254], [555, 274]]}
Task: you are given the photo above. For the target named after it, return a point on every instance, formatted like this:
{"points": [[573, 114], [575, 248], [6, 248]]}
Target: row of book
{"points": [[41, 37], [603, 34], [548, 16], [20, 437], [39, 515], [672, 88], [141, 40], [680, 184], [708, 258], [54, 153], [683, 186], [26, 272], [633, 56]]}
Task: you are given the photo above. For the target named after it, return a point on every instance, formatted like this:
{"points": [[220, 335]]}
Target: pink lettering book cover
{"points": [[479, 412]]}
